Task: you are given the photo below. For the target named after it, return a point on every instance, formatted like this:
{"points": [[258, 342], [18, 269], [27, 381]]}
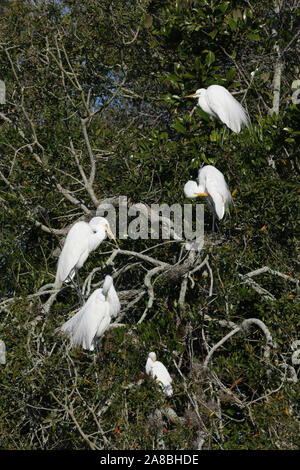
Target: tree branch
{"points": [[244, 326]]}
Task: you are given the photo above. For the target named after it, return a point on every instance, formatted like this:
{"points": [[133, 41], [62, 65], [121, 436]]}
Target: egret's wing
{"points": [[104, 321], [168, 390], [216, 196], [213, 182], [114, 303], [83, 326], [76, 244], [71, 325], [227, 108], [161, 373], [88, 327]]}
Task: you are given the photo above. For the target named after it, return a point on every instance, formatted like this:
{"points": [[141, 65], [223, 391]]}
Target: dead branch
{"points": [[247, 278], [244, 326], [260, 290], [266, 269], [172, 416], [70, 412], [147, 282]]}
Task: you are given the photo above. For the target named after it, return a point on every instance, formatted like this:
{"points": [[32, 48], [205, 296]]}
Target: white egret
{"points": [[156, 370], [82, 239], [93, 319], [212, 184], [219, 103]]}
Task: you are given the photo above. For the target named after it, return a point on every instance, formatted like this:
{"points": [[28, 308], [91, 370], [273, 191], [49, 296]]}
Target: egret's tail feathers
{"points": [[168, 390]]}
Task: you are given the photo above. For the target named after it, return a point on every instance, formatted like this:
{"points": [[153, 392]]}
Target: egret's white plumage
{"points": [[82, 238], [212, 184], [156, 370], [219, 103], [93, 319]]}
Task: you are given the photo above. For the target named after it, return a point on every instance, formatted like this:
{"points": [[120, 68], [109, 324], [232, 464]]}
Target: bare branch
{"points": [[70, 412], [243, 327]]}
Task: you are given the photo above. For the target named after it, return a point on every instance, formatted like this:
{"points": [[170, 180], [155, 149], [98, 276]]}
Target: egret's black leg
{"points": [[224, 131], [213, 226], [78, 286], [96, 349], [97, 346]]}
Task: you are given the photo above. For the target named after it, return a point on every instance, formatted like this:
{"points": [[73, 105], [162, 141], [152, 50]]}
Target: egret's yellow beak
{"points": [[191, 96], [111, 234], [202, 194]]}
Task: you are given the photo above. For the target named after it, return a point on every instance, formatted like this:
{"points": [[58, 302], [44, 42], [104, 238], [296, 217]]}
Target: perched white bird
{"points": [[219, 103], [82, 238], [212, 184], [156, 370], [93, 319]]}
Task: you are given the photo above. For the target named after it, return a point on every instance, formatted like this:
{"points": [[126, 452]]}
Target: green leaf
{"points": [[223, 6], [213, 136], [148, 21], [253, 36], [236, 14], [173, 78], [176, 67], [179, 127], [213, 33], [188, 76], [230, 73], [164, 135], [168, 97], [197, 64], [203, 156], [265, 76], [210, 58], [232, 24]]}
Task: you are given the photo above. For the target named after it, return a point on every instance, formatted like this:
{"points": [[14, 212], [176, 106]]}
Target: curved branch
{"points": [[242, 327], [147, 282]]}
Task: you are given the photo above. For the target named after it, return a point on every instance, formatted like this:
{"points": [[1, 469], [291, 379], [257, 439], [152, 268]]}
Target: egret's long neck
{"points": [[201, 187], [201, 181], [202, 102], [97, 238], [107, 286], [111, 296], [113, 301]]}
